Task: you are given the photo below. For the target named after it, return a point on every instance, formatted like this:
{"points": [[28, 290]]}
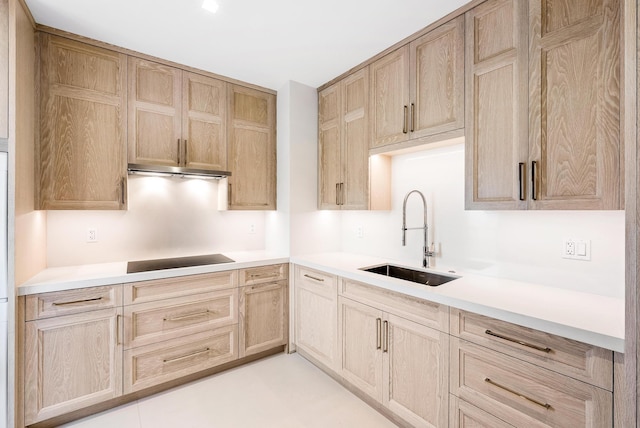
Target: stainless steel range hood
{"points": [[175, 171]]}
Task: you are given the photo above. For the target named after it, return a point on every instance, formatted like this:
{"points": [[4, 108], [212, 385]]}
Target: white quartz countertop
{"points": [[72, 277], [589, 318]]}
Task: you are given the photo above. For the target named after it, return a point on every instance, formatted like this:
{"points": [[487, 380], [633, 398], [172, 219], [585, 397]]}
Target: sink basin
{"points": [[417, 276]]}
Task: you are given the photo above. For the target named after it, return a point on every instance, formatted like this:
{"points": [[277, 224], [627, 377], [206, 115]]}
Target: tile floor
{"points": [[284, 391]]}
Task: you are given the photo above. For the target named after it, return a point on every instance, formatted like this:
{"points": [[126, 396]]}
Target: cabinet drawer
{"points": [[464, 415], [579, 360], [423, 312], [161, 362], [147, 291], [263, 274], [523, 394], [69, 302], [152, 322], [317, 281]]}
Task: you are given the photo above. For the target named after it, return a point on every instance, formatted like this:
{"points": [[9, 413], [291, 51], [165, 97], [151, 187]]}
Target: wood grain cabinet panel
{"points": [[251, 149], [4, 69], [154, 364], [316, 315], [465, 415], [401, 364], [496, 140], [262, 274], [343, 148], [67, 302], [82, 139], [71, 362], [263, 322], [523, 394], [575, 104], [176, 118]]}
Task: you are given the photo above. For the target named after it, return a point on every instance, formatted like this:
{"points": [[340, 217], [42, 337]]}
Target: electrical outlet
{"points": [[360, 232], [92, 235], [252, 229], [576, 249]]}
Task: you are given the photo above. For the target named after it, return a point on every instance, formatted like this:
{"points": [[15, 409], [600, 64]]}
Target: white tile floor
{"points": [[284, 391]]}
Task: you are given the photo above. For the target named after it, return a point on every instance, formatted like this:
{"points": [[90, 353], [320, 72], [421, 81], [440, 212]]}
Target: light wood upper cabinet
{"points": [[82, 141], [4, 69], [155, 108], [252, 149], [496, 138], [71, 362], [418, 90], [176, 118], [575, 104], [343, 148]]}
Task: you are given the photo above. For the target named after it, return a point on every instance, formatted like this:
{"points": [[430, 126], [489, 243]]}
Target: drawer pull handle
{"points": [[193, 315], [539, 403], [75, 302], [519, 342], [182, 357], [314, 278]]}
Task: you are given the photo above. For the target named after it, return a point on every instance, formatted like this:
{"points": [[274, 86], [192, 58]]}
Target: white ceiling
{"points": [[262, 42]]}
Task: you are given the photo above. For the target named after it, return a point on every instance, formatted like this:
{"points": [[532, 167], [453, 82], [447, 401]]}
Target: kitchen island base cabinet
{"points": [[71, 362]]}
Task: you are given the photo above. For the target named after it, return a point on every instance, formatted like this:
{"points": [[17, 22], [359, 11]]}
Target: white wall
{"points": [[166, 217], [521, 245]]}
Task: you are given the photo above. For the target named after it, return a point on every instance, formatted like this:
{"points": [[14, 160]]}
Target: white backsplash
{"points": [[521, 245], [166, 217]]}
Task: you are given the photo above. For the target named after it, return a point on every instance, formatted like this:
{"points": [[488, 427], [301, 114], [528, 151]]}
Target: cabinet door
{"points": [[361, 344], [4, 69], [252, 149], [316, 321], [496, 140], [329, 146], [437, 80], [464, 415], [154, 112], [204, 122], [390, 98], [263, 317], [72, 362], [82, 126], [355, 141], [416, 375], [575, 104]]}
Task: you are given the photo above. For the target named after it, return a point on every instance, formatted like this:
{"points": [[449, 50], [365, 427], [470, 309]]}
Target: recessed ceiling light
{"points": [[210, 5]]}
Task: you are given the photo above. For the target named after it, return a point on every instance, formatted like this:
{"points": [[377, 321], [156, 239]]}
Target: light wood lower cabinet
{"points": [[264, 323], [154, 364], [316, 315], [464, 415], [71, 362], [402, 364]]}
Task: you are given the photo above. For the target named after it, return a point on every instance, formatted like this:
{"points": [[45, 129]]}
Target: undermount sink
{"points": [[417, 276]]}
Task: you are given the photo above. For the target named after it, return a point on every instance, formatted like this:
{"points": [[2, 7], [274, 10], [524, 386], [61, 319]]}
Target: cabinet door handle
{"points": [[230, 200], [534, 190], [337, 193], [314, 278], [385, 337], [123, 190], [178, 151], [187, 316], [378, 333], [406, 120], [519, 342], [118, 329], [186, 159], [189, 355], [413, 116], [75, 302], [521, 173], [529, 399], [341, 193]]}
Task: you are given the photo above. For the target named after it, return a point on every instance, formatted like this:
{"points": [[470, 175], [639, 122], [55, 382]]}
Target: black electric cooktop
{"points": [[176, 262]]}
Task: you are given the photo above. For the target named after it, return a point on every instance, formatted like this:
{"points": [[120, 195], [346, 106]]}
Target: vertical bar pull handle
{"points": [[123, 191], [406, 120], [534, 172], [521, 179], [337, 193], [118, 317], [413, 116], [341, 193], [230, 199], [179, 152], [185, 153], [378, 333], [385, 337]]}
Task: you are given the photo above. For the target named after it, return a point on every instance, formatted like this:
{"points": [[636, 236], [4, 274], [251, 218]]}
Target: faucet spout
{"points": [[426, 252]]}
